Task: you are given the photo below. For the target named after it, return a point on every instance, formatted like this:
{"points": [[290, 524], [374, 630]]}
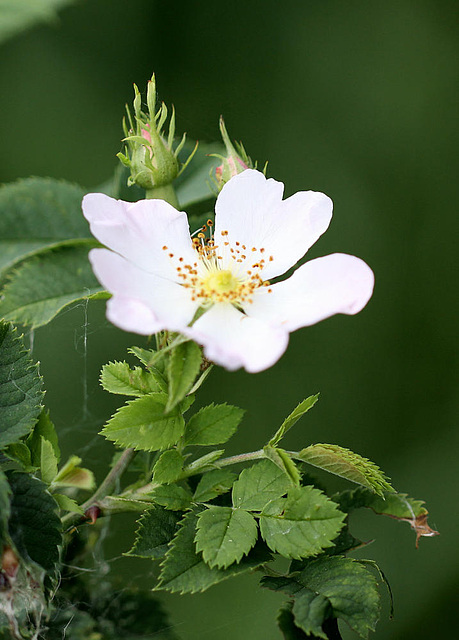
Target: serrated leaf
{"points": [[5, 494], [48, 463], [301, 525], [143, 425], [67, 504], [348, 586], [281, 459], [346, 464], [171, 496], [34, 525], [184, 365], [213, 484], [224, 535], [156, 528], [292, 419], [168, 467], [20, 388], [258, 485], [20, 453], [119, 378], [72, 475], [183, 569], [310, 610], [39, 288], [37, 213], [146, 356], [44, 428], [213, 424]]}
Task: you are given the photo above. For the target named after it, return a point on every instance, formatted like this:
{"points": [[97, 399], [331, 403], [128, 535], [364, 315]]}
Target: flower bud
{"points": [[149, 154], [236, 159]]}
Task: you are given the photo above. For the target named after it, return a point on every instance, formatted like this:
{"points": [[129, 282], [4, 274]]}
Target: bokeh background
{"points": [[356, 99]]}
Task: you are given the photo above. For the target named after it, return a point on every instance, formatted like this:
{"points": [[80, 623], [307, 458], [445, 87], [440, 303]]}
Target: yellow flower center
{"points": [[219, 282]]}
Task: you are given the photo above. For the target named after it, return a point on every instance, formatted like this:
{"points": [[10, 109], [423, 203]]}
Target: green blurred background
{"points": [[356, 99]]}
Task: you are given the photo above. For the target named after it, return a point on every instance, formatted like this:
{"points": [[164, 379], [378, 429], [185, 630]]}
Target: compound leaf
{"points": [[119, 378], [213, 424], [156, 528], [258, 485]]}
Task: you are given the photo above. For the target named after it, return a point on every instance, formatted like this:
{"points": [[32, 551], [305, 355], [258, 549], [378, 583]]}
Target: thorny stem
{"points": [[107, 485]]}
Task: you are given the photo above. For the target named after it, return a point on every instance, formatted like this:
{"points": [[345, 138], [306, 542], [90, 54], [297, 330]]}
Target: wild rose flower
{"points": [[160, 278]]}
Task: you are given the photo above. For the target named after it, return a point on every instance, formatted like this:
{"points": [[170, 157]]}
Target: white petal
{"points": [[169, 303], [250, 208], [338, 283], [139, 231], [234, 340]]}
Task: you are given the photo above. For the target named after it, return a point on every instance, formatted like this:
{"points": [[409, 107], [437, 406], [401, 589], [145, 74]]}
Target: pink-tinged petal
{"points": [[170, 304], [139, 231], [234, 340], [338, 283], [250, 208], [132, 315]]}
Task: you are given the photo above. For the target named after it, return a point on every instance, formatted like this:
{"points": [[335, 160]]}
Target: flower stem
{"points": [[107, 485], [167, 193]]}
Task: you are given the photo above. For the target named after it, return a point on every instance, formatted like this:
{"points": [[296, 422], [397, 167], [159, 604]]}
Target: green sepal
{"points": [[21, 392], [171, 496], [119, 378], [213, 424], [143, 425], [258, 485], [292, 419], [156, 528], [184, 365], [72, 475], [282, 459], [346, 464], [183, 569], [224, 535], [168, 467], [212, 484], [301, 525]]}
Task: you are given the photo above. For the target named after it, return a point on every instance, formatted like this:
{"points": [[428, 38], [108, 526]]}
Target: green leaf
{"points": [[213, 484], [184, 365], [43, 429], [169, 467], [171, 496], [20, 388], [258, 485], [71, 475], [184, 570], [146, 356], [346, 464], [225, 535], [282, 459], [48, 464], [143, 425], [42, 286], [34, 525], [20, 453], [67, 504], [18, 15], [286, 624], [119, 378], [301, 525], [350, 589], [156, 528], [5, 494], [292, 419], [213, 424]]}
